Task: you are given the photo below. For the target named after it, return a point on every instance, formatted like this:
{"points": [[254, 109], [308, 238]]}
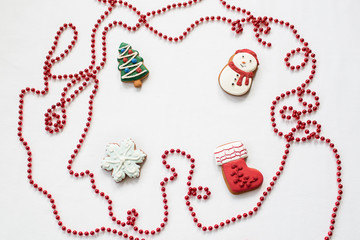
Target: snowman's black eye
{"points": [[242, 56], [250, 60]]}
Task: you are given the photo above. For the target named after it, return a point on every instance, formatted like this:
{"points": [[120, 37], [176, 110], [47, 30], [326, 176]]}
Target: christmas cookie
{"points": [[131, 65], [237, 76], [238, 176], [123, 159]]}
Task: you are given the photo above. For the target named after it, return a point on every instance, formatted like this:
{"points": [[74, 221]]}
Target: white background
{"points": [[180, 105]]}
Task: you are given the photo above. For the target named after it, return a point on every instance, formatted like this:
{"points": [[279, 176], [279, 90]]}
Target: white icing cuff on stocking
{"points": [[230, 152]]}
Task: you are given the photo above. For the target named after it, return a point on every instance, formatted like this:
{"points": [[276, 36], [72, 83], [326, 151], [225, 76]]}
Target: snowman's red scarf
{"points": [[241, 73]]}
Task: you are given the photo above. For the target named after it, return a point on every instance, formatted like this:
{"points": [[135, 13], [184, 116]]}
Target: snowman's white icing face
{"points": [[245, 62]]}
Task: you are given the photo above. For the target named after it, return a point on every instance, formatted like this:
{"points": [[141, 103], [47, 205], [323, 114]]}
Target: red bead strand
{"points": [[55, 117]]}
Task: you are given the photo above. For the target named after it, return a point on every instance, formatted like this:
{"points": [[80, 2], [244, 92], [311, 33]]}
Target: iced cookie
{"points": [[131, 65], [123, 159], [237, 76], [238, 176]]}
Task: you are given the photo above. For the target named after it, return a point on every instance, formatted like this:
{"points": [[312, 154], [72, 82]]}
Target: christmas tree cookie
{"points": [[131, 65]]}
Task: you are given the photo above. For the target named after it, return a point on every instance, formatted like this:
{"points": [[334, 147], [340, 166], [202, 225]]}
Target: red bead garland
{"points": [[55, 117]]}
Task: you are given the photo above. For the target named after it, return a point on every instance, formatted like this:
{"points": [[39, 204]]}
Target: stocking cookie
{"points": [[237, 76], [131, 65], [238, 176]]}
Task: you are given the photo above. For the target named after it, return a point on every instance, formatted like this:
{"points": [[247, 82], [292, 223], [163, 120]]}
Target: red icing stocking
{"points": [[240, 178]]}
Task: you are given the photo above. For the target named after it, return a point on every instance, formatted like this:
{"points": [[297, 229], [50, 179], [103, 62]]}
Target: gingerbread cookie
{"points": [[238, 176], [123, 159], [237, 76], [131, 65]]}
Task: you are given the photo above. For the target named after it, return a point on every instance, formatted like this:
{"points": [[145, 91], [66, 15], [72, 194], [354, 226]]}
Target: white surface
{"points": [[181, 105]]}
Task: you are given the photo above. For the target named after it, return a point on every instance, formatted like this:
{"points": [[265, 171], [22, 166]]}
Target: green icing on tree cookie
{"points": [[131, 65]]}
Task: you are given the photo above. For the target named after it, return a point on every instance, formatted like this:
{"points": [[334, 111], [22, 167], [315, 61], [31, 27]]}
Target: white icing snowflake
{"points": [[123, 160]]}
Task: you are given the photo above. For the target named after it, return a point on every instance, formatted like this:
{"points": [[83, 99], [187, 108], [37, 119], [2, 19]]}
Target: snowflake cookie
{"points": [[123, 159]]}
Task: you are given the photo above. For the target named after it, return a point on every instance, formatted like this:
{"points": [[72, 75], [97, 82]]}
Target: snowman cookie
{"points": [[237, 76]]}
